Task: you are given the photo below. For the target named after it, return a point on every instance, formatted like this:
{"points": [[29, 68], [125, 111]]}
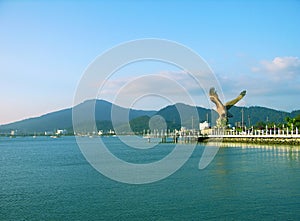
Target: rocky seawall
{"points": [[257, 140]]}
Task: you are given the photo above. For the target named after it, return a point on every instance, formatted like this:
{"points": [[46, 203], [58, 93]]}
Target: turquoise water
{"points": [[49, 179]]}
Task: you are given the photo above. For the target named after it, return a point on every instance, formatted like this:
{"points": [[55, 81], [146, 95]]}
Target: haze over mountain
{"points": [[63, 119], [139, 119]]}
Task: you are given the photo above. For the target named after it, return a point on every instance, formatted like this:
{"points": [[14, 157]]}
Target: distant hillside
{"points": [[63, 119], [295, 113], [190, 117], [139, 119], [254, 115], [48, 122]]}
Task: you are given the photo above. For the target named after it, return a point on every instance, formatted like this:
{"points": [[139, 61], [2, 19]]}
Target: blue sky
{"points": [[45, 47]]}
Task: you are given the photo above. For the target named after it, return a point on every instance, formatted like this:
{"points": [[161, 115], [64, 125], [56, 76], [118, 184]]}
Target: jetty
{"points": [[176, 136], [267, 136]]}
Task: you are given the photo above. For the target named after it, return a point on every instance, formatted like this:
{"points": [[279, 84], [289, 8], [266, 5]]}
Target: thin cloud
{"points": [[271, 83], [145, 83], [174, 85], [280, 68]]}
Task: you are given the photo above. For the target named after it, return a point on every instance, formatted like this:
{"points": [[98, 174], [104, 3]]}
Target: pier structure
{"points": [[276, 132], [175, 136], [267, 136]]}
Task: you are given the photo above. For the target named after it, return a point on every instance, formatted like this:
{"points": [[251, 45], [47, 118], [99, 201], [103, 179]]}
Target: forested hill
{"points": [[189, 117]]}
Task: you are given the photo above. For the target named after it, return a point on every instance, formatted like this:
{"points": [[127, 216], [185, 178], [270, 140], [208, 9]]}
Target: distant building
{"points": [[183, 129], [204, 125], [49, 133], [61, 132]]}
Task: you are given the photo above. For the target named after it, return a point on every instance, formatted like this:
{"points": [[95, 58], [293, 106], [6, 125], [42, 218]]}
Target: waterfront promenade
{"points": [[272, 136]]}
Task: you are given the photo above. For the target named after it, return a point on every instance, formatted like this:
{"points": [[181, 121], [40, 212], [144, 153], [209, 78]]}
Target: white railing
{"points": [[218, 132]]}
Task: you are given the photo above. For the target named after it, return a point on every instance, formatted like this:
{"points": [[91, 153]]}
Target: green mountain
{"points": [[63, 119], [175, 116], [253, 115], [186, 115]]}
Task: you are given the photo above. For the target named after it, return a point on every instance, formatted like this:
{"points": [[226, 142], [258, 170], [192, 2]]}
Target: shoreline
{"points": [[260, 140]]}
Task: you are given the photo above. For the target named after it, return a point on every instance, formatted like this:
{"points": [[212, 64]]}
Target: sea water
{"points": [[49, 179]]}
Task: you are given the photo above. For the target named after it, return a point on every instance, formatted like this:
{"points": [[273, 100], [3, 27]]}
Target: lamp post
{"points": [[242, 119]]}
